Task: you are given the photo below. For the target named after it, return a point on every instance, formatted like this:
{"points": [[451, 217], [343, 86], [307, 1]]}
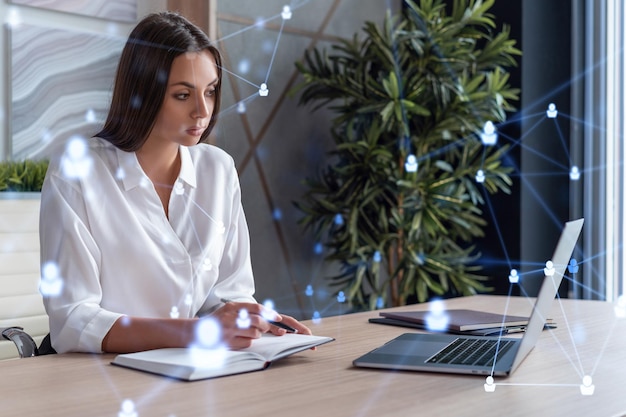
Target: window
{"points": [[603, 199]]}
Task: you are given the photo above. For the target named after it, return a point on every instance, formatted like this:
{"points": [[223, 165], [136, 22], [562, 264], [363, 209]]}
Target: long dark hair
{"points": [[142, 75]]}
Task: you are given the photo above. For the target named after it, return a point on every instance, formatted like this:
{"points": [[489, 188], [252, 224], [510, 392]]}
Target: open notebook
{"points": [[194, 363]]}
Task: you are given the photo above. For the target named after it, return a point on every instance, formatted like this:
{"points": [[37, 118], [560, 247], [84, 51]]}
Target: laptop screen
{"points": [[549, 288]]}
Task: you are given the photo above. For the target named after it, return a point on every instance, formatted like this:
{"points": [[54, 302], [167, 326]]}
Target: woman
{"points": [[143, 223]]}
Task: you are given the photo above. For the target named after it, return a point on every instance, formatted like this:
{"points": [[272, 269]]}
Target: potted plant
{"points": [[399, 204], [22, 176]]}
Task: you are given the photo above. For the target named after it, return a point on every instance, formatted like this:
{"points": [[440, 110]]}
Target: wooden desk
{"points": [[324, 383]]}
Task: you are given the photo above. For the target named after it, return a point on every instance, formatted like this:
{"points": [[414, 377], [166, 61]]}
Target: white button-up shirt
{"points": [[108, 249]]}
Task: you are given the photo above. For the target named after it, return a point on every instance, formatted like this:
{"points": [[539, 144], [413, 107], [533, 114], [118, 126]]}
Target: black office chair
{"points": [[26, 346]]}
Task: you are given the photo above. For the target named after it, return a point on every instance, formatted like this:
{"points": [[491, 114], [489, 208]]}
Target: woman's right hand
{"points": [[239, 330]]}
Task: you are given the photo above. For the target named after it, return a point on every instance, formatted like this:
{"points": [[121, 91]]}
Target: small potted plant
{"points": [[17, 177]]}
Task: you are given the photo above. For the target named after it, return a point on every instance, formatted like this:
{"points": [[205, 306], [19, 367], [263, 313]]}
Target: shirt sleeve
{"points": [[236, 280], [70, 255]]}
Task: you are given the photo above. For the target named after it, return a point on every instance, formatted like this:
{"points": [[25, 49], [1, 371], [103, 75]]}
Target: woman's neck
{"points": [[161, 165]]}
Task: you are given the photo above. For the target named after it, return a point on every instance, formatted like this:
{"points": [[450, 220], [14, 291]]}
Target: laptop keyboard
{"points": [[475, 352]]}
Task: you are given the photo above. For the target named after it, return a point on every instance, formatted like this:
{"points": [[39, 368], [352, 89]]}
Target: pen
{"points": [[282, 326], [272, 322]]}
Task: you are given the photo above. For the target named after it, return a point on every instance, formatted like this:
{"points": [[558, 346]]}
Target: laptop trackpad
{"points": [[404, 348]]}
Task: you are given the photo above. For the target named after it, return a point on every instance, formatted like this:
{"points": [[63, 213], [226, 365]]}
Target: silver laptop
{"points": [[480, 355]]}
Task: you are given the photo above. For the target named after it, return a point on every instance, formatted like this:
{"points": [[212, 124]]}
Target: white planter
{"points": [[20, 301]]}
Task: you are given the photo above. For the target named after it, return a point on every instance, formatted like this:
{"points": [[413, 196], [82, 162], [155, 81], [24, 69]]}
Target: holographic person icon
{"points": [[489, 136], [264, 91], [411, 163], [552, 111]]}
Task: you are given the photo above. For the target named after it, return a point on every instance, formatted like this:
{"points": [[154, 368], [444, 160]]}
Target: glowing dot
{"points": [[188, 300], [174, 313], [207, 265], [13, 17], [111, 28], [620, 307], [341, 297], [573, 266], [208, 332], [135, 102], [46, 136], [144, 182], [179, 188], [244, 66], [120, 174], [437, 319], [268, 46], [221, 229], [212, 358], [162, 77], [338, 219], [318, 248], [268, 312], [574, 173], [437, 307], [76, 148], [127, 409], [380, 302], [317, 318], [90, 116], [277, 214], [241, 107], [309, 290], [125, 321], [50, 270], [76, 163], [268, 304], [377, 257], [51, 283], [549, 269], [513, 276]]}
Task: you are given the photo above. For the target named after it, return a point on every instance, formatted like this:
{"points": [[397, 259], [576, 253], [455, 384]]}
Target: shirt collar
{"points": [[133, 176], [187, 169]]}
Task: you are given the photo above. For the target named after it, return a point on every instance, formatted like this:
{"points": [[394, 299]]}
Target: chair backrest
{"points": [[21, 304]]}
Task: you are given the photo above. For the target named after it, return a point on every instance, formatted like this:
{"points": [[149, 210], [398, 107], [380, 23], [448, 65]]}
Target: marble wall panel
{"points": [[61, 86], [121, 10]]}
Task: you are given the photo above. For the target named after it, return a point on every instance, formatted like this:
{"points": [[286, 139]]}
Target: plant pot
{"points": [[21, 303]]}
